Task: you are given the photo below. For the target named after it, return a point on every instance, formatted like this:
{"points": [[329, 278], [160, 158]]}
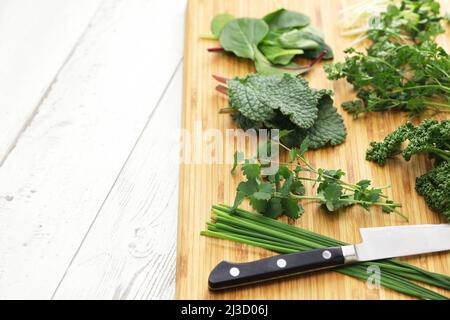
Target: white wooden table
{"points": [[90, 108]]}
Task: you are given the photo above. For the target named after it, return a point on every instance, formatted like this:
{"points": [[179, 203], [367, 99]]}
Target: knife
{"points": [[378, 244]]}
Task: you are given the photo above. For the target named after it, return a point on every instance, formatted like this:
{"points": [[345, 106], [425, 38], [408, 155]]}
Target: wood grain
{"points": [[37, 39], [130, 250], [54, 183], [203, 185]]}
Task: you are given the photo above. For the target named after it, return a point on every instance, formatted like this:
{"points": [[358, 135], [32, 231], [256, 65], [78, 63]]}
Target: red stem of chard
{"points": [[218, 49], [222, 89], [312, 63], [221, 79]]}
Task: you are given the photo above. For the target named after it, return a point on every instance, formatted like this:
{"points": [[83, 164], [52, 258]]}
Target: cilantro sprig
{"points": [[282, 192]]}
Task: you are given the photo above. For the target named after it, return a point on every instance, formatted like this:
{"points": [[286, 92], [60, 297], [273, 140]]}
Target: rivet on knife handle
{"points": [[228, 275]]}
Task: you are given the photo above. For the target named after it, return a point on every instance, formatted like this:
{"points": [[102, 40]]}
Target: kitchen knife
{"points": [[378, 243]]}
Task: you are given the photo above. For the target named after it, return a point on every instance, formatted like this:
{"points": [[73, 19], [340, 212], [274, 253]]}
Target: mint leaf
{"points": [[259, 97], [329, 129]]}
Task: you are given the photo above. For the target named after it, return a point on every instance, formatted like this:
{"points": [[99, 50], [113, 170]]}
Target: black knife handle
{"points": [[228, 275]]}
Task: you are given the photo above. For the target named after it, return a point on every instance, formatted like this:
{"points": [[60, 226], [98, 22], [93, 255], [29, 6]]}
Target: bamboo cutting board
{"points": [[203, 184]]}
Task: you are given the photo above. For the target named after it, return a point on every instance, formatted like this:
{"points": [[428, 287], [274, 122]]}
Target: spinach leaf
{"points": [[301, 39], [285, 19], [219, 22], [265, 67], [279, 55], [241, 36]]}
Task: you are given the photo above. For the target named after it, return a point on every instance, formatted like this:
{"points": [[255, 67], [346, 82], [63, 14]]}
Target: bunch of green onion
{"points": [[254, 229]]}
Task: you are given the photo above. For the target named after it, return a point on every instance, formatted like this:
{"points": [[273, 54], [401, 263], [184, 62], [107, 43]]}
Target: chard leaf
{"points": [[266, 68], [219, 22], [278, 55], [241, 36], [285, 19]]}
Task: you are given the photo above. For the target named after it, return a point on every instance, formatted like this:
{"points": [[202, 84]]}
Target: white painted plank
{"points": [[36, 39], [130, 251], [56, 179]]}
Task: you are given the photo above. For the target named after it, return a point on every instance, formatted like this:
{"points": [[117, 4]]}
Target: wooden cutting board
{"points": [[202, 185]]}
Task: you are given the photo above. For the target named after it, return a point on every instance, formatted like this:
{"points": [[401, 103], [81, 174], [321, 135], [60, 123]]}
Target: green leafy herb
{"points": [[253, 229], [403, 69], [432, 138], [397, 76], [284, 19], [434, 186], [281, 192], [287, 104], [219, 22], [261, 41], [241, 36]]}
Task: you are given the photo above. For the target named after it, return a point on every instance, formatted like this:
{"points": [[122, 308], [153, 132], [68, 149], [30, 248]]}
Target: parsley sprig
{"points": [[403, 69], [282, 192]]}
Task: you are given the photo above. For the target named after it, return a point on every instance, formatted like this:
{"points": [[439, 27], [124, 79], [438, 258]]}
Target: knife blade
{"points": [[377, 244]]}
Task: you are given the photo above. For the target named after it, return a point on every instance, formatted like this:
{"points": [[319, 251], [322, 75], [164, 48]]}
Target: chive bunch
{"points": [[254, 229]]}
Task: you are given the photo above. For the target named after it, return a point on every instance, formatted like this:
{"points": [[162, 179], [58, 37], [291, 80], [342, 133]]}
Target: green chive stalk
{"points": [[256, 230]]}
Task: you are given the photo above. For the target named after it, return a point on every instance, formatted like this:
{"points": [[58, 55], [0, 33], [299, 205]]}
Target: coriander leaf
{"points": [[274, 208], [286, 188], [240, 196], [248, 187], [265, 187], [284, 171], [241, 36], [332, 192], [237, 157], [258, 205], [291, 208], [304, 147], [364, 184], [251, 170], [284, 19], [297, 187], [293, 154], [262, 195], [219, 22]]}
